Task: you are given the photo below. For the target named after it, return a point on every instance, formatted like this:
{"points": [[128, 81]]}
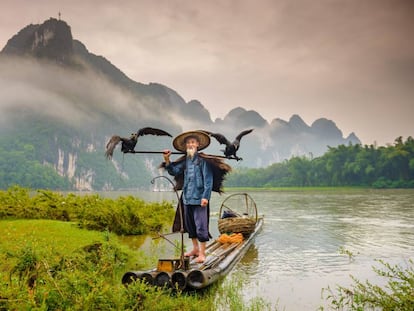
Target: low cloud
{"points": [[78, 98]]}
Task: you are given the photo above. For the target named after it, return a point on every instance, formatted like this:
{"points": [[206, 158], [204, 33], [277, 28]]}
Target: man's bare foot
{"points": [[201, 258], [193, 253]]}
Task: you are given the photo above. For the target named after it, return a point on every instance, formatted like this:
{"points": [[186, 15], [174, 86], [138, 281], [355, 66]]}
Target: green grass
{"points": [[44, 235], [126, 215], [54, 265], [53, 240]]}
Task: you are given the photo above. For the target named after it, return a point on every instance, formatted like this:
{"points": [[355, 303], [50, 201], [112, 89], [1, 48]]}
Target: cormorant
{"points": [[231, 147], [128, 144]]}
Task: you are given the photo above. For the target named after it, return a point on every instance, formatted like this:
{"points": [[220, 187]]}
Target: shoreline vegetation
{"points": [[63, 252], [343, 166], [390, 166]]}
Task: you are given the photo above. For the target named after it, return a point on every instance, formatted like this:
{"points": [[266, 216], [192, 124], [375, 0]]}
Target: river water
{"points": [[313, 239]]}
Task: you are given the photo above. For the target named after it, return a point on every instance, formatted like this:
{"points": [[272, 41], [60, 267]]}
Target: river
{"points": [[313, 239]]}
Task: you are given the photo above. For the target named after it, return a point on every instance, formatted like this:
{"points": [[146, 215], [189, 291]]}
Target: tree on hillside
{"points": [[352, 165]]}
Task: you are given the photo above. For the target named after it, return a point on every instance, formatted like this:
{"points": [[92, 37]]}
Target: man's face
{"points": [[192, 143]]}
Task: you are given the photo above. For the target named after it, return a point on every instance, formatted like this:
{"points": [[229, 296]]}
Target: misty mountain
{"points": [[63, 103]]}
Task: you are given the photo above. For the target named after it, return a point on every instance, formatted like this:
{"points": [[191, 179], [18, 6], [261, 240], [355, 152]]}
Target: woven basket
{"points": [[237, 225]]}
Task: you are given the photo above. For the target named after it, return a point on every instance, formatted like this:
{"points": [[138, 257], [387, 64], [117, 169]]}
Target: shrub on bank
{"points": [[398, 294], [124, 216]]}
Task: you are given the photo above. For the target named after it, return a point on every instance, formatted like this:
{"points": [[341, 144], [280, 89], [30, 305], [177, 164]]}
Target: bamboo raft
{"points": [[185, 274]]}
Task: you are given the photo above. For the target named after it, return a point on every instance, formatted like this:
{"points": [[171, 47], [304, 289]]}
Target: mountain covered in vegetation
{"points": [[60, 104]]}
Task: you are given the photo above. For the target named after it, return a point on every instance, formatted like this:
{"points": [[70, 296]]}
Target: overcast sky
{"points": [[351, 61]]}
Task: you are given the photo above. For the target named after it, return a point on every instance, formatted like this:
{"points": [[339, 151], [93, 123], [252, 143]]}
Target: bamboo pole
{"points": [[175, 152], [153, 152]]}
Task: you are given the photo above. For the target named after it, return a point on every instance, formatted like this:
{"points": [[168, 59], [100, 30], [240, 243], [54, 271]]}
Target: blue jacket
{"points": [[198, 179]]}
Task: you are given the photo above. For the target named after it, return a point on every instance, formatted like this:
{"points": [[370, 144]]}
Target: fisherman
{"points": [[197, 175]]}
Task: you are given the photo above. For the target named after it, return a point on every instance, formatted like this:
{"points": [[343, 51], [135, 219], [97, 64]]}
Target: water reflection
{"points": [[134, 241], [250, 262]]}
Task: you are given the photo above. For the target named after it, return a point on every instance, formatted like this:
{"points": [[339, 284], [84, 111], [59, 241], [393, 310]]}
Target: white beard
{"points": [[191, 153]]}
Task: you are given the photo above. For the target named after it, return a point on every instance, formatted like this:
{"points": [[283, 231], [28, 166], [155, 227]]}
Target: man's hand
{"points": [[204, 202], [166, 154]]}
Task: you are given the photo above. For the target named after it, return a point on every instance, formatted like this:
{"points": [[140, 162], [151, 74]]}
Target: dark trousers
{"points": [[196, 219]]}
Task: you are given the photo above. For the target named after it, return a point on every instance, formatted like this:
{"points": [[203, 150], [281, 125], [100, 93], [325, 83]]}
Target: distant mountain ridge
{"points": [[93, 89]]}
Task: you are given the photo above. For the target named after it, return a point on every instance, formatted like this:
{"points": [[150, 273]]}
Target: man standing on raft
{"points": [[197, 175]]}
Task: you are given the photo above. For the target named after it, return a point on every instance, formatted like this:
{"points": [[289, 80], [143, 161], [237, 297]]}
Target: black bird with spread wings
{"points": [[231, 147], [128, 144]]}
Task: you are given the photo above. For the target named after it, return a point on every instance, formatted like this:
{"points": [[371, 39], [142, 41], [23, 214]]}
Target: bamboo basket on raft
{"points": [[238, 214]]}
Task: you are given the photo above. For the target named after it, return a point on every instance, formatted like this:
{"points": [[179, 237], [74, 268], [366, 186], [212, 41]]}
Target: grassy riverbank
{"points": [[54, 265], [61, 252]]}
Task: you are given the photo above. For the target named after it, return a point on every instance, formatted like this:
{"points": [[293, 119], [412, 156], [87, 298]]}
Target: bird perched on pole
{"points": [[231, 147], [128, 144]]}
